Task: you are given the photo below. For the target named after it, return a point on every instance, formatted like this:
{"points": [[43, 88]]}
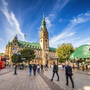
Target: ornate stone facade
{"points": [[44, 53]]}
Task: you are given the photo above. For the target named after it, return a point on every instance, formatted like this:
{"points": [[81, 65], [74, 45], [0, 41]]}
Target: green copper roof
{"points": [[33, 44], [72, 56], [43, 23], [82, 51], [51, 48]]}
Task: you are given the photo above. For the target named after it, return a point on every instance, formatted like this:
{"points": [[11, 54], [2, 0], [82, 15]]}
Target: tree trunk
{"points": [[28, 62]]}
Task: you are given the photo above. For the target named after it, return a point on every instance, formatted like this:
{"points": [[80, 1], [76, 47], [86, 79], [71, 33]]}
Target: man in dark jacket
{"points": [[34, 69], [55, 70], [68, 72]]}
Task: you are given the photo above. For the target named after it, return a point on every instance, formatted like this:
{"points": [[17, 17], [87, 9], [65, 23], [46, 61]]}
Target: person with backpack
{"points": [[34, 69], [30, 69], [55, 70], [68, 73]]}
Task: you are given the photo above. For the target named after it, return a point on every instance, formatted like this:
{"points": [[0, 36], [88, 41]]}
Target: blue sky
{"points": [[67, 21]]}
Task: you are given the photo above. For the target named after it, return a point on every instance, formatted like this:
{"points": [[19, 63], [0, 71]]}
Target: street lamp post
{"points": [[47, 61], [17, 54]]}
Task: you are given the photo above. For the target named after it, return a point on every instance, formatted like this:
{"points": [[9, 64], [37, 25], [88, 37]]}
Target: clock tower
{"points": [[44, 40]]}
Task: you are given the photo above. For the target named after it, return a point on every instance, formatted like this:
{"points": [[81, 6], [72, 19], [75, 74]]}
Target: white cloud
{"points": [[58, 6], [2, 50], [83, 41], [68, 33], [15, 28], [81, 18], [48, 22], [51, 15], [60, 20]]}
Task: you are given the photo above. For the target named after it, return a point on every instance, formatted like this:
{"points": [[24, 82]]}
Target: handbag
{"points": [[70, 73]]}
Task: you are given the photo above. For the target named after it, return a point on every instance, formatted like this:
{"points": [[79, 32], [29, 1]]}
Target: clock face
{"points": [[15, 44]]}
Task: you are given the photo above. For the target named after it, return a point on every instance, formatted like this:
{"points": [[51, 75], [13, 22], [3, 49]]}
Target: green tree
{"points": [[28, 54], [63, 51], [19, 60]]}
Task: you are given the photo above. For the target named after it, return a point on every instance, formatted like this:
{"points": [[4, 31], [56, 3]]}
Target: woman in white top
{"points": [[38, 68]]}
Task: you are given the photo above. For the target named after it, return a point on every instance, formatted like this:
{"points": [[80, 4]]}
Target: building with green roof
{"points": [[43, 52], [83, 51], [82, 54], [72, 56]]}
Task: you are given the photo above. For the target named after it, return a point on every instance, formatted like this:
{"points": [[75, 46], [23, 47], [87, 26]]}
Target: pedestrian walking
{"points": [[30, 69], [41, 67], [9, 67], [68, 73], [55, 70], [63, 66], [86, 67], [34, 69], [38, 68]]}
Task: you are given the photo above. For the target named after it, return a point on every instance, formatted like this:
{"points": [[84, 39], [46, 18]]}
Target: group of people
{"points": [[34, 68], [68, 73]]}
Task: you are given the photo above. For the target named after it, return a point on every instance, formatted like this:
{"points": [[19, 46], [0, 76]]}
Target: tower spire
{"points": [[43, 14], [43, 22], [43, 17]]}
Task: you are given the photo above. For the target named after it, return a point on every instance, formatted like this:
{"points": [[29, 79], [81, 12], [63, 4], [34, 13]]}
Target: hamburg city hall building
{"points": [[44, 54]]}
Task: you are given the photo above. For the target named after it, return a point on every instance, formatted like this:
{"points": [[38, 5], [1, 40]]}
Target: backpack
{"points": [[55, 68], [34, 68]]}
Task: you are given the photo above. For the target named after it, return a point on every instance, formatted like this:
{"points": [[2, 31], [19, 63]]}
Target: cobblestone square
{"points": [[81, 79], [23, 81]]}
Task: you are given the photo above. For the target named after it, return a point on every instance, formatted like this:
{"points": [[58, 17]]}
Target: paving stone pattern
{"points": [[81, 80], [22, 81], [6, 70], [51, 84]]}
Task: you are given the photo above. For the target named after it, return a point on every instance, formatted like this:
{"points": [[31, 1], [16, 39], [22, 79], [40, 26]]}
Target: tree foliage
{"points": [[28, 54], [63, 51], [19, 60]]}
